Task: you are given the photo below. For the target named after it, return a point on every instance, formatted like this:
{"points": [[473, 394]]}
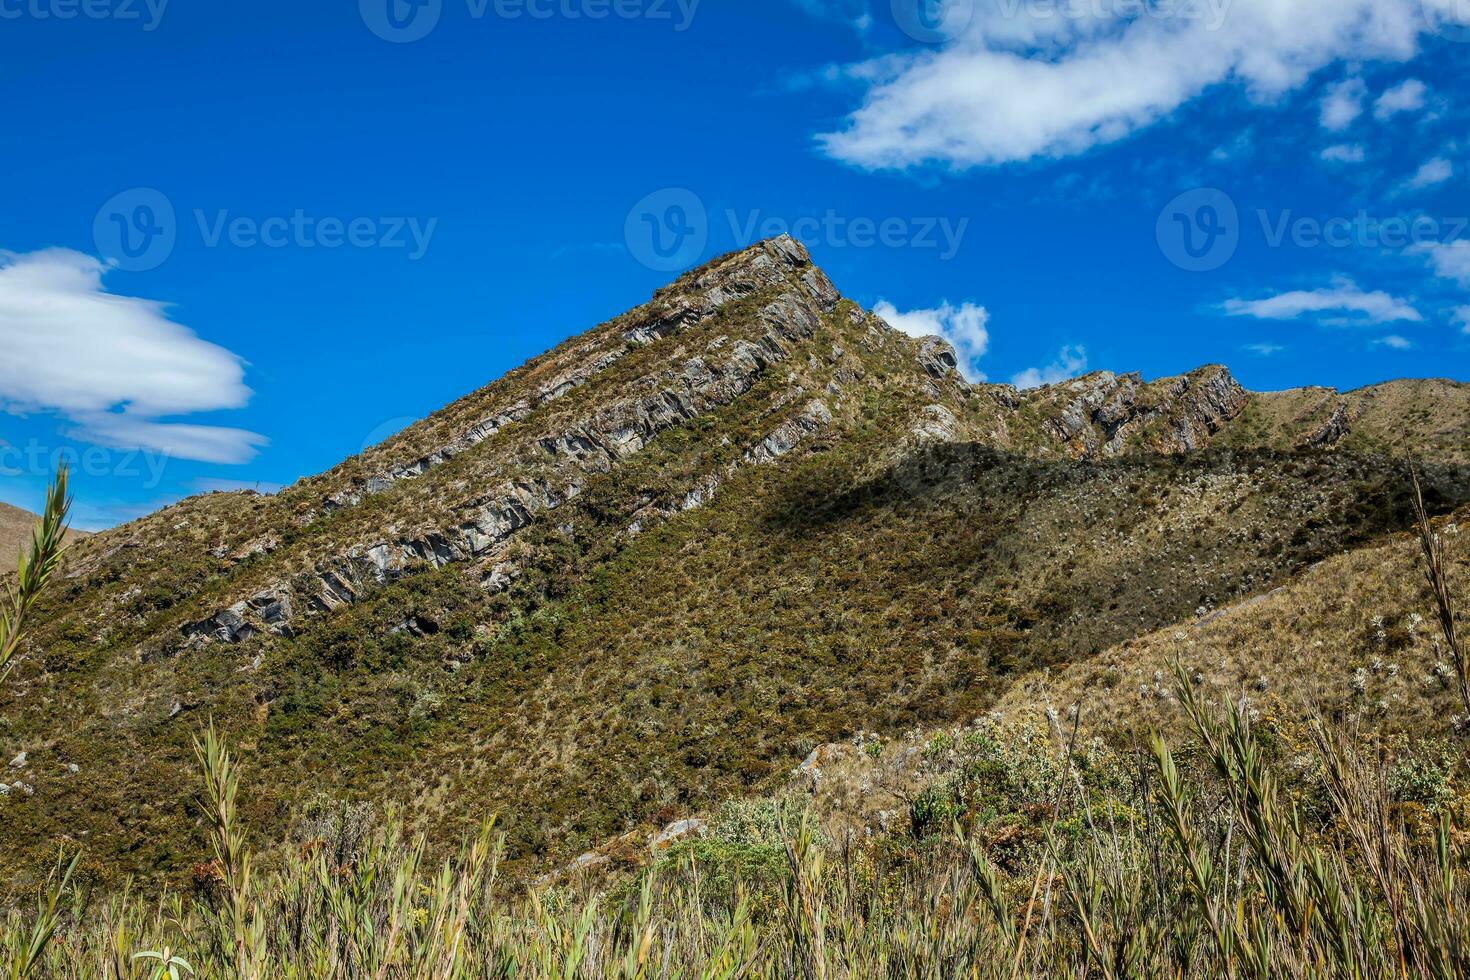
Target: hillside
{"points": [[657, 566], [15, 531], [1352, 637]]}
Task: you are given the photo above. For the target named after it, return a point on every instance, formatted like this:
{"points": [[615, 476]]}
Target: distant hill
{"points": [[15, 531], [655, 567]]}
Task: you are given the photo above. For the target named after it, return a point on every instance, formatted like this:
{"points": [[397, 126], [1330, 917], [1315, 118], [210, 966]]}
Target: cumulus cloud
{"points": [[1450, 260], [964, 326], [1070, 362], [1431, 174], [1344, 153], [115, 366], [1021, 82], [1407, 96], [1343, 298], [1343, 104]]}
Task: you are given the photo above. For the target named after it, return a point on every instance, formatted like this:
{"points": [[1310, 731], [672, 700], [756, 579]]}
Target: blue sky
{"points": [[243, 240]]}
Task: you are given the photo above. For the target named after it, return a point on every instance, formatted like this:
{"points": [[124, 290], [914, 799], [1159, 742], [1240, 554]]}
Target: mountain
{"points": [[657, 566], [16, 526]]}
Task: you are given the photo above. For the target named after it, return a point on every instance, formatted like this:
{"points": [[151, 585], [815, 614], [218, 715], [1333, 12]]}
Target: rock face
{"points": [[1103, 414]]}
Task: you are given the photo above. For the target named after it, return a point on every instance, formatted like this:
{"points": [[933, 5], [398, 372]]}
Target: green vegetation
{"points": [[758, 528], [1206, 863]]}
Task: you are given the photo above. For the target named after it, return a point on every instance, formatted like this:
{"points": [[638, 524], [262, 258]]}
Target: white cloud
{"points": [[1394, 342], [114, 365], [1343, 104], [1342, 297], [1461, 315], [1407, 96], [1344, 153], [1264, 350], [853, 13], [1450, 260], [1025, 82], [1431, 174], [963, 326], [1070, 362]]}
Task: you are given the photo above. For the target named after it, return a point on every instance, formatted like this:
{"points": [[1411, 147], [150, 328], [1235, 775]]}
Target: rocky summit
{"points": [[660, 565]]}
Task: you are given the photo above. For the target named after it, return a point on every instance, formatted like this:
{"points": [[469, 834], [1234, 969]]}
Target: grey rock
{"points": [[790, 434], [1331, 432], [938, 357], [676, 831]]}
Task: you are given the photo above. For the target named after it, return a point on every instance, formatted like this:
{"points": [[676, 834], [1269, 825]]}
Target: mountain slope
{"points": [[16, 526], [653, 568]]}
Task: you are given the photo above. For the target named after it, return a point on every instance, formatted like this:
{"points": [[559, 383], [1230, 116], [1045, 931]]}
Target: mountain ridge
{"points": [[653, 567]]}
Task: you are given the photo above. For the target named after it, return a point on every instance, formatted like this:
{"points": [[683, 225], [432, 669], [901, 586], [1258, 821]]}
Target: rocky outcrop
{"points": [[1338, 424], [1104, 414], [789, 435], [938, 357]]}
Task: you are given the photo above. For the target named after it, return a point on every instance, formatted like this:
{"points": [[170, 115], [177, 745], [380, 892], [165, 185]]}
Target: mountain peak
{"points": [[657, 558]]}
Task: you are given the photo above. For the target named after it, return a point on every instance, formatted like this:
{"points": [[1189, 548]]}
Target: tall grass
{"points": [[1206, 861]]}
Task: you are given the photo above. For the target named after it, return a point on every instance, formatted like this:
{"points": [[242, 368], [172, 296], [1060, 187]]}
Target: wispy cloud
{"points": [[1461, 315], [1342, 297], [1433, 173], [964, 326], [1407, 96], [115, 366], [1344, 153], [1264, 350], [1394, 342], [1070, 362], [853, 13]]}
